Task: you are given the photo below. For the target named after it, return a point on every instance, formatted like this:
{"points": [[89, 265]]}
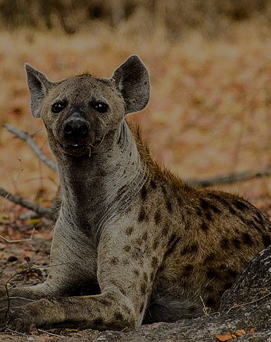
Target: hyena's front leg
{"points": [[108, 310], [24, 295], [66, 273], [125, 285]]}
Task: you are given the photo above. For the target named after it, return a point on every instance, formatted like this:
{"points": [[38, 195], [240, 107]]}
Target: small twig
{"points": [[7, 292], [231, 178], [19, 174], [244, 304], [15, 332], [31, 143], [49, 266], [15, 241], [24, 202], [48, 333], [205, 310]]}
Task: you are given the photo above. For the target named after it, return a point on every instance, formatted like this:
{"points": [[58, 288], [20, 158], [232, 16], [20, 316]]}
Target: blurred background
{"points": [[210, 68]]}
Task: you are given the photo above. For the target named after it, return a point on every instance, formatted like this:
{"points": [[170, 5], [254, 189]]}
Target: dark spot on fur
{"points": [[236, 242], [224, 243], [114, 261], [142, 215], [212, 273], [127, 248], [232, 211], [126, 309], [153, 185], [98, 321], [155, 243], [145, 276], [154, 262], [172, 238], [209, 258], [118, 316], [204, 226], [136, 272], [139, 241], [247, 239], [165, 230], [144, 193], [240, 205], [266, 240], [232, 273], [222, 267], [259, 218], [129, 230], [123, 291], [145, 236], [208, 215], [157, 217], [171, 245], [137, 254], [199, 212], [126, 262], [219, 199], [179, 200], [143, 289], [188, 269], [214, 208], [210, 302], [255, 225], [164, 190], [194, 248], [152, 275], [168, 205], [204, 204]]}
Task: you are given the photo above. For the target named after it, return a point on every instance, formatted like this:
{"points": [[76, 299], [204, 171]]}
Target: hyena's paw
{"points": [[25, 318], [11, 302]]}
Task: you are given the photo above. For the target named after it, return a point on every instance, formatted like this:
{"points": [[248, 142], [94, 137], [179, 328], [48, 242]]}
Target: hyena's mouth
{"points": [[77, 150]]}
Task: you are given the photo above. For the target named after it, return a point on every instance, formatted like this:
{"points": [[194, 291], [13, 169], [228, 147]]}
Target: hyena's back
{"points": [[209, 235]]}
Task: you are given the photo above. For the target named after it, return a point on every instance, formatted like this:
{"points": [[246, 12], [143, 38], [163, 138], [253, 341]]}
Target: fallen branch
{"points": [[26, 203], [231, 178], [21, 240], [31, 143], [51, 212]]}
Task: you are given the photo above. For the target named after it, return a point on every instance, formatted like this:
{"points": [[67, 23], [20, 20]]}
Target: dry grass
{"points": [[209, 112]]}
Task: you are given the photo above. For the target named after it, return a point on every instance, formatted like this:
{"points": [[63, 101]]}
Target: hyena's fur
{"points": [[139, 242]]}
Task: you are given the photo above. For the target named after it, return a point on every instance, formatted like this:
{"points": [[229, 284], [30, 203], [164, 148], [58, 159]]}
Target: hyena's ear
{"points": [[38, 85], [132, 79]]}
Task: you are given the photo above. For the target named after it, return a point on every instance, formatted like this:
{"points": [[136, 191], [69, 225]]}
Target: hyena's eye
{"points": [[57, 107], [101, 107]]}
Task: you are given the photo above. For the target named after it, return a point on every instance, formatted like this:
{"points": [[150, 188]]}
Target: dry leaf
{"points": [[224, 337], [240, 332]]}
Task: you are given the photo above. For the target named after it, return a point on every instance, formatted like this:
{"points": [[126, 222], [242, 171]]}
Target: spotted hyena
{"points": [[142, 245]]}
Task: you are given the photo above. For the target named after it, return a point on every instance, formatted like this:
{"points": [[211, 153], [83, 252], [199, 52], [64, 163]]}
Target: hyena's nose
{"points": [[76, 128]]}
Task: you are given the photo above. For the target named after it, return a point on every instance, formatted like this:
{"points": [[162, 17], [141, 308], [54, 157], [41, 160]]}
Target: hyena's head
{"points": [[80, 112]]}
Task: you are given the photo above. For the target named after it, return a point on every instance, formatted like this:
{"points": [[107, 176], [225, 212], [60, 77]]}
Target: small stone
{"points": [[30, 338]]}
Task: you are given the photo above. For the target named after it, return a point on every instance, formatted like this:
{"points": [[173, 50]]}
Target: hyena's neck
{"points": [[97, 188]]}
